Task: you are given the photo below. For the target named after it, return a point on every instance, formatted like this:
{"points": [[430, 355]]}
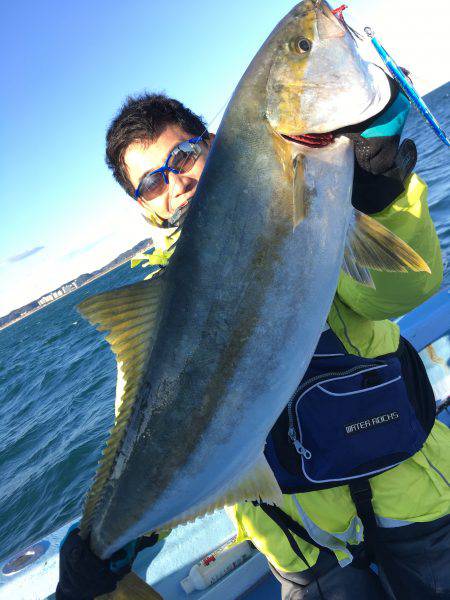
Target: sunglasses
{"points": [[180, 160]]}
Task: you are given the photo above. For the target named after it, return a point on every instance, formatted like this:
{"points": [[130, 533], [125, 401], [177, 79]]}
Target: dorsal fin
{"points": [[131, 315]]}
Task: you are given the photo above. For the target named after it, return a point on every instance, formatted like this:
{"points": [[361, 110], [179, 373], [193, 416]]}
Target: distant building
{"points": [[65, 289], [45, 299]]}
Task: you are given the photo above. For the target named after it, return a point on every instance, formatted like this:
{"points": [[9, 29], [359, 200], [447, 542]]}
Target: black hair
{"points": [[143, 119]]}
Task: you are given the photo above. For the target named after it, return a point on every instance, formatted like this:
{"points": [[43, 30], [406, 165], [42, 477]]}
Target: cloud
{"points": [[26, 254], [87, 247], [21, 284]]}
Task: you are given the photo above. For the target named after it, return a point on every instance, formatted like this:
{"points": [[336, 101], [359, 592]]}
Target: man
{"points": [[315, 543]]}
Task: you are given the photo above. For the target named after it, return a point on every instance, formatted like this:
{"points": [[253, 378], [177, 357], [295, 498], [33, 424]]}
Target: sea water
{"points": [[57, 379]]}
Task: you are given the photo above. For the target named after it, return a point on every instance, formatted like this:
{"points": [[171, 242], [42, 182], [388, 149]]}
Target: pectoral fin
{"points": [[291, 163], [370, 245], [299, 196], [356, 271], [131, 315]]}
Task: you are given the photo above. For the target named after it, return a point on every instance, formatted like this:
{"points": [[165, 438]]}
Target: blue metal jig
{"points": [[407, 88]]}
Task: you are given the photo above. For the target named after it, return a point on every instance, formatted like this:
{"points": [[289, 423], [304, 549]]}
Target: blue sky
{"points": [[68, 66]]}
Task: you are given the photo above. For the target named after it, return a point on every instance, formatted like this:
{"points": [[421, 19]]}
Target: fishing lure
{"points": [[399, 76], [407, 88]]}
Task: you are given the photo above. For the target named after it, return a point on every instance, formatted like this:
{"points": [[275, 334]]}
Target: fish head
{"points": [[318, 82]]}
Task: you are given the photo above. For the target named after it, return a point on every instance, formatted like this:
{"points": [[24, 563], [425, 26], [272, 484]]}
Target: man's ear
{"points": [[211, 137]]}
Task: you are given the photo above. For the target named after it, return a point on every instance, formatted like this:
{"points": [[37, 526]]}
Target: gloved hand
{"points": [[83, 576], [381, 167], [376, 140]]}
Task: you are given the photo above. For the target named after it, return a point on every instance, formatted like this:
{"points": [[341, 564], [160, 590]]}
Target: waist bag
{"points": [[351, 417]]}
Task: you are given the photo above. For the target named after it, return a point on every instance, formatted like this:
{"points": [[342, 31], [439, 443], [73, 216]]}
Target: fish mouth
{"points": [[311, 140]]}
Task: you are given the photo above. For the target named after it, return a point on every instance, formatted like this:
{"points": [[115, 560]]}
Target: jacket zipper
{"points": [[292, 434]]}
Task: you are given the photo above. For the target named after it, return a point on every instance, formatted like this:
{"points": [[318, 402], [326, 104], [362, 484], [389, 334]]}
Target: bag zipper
{"points": [[292, 434]]}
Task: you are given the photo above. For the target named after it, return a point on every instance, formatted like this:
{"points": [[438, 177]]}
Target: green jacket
{"points": [[417, 490]]}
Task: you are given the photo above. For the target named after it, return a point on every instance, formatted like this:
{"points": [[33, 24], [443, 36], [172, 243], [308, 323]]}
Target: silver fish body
{"points": [[241, 323], [246, 294]]}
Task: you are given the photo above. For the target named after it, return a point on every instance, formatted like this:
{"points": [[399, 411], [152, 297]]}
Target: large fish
{"points": [[211, 351]]}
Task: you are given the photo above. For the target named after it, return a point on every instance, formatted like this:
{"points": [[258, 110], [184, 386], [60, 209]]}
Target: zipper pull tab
{"points": [[300, 449]]}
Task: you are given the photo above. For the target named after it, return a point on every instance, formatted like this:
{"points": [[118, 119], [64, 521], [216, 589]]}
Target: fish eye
{"points": [[302, 45]]}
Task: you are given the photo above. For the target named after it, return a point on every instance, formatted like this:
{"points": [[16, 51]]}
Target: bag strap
{"points": [[288, 525], [361, 494]]}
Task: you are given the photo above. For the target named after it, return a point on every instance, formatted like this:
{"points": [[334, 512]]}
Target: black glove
{"points": [[380, 165], [84, 576], [373, 193], [376, 140]]}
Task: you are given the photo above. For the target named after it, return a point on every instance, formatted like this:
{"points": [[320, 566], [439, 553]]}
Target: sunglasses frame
{"points": [[165, 168]]}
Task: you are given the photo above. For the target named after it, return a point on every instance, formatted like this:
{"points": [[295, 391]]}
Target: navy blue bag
{"points": [[351, 417]]}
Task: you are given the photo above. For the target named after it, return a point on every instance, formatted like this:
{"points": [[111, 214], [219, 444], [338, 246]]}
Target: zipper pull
{"points": [[300, 449]]}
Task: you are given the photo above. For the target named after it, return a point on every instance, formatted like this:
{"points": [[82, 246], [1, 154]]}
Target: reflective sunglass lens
{"points": [[184, 157], [187, 146], [181, 160], [152, 186]]}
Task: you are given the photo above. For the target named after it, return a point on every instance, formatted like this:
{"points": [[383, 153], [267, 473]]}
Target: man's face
{"points": [[140, 158]]}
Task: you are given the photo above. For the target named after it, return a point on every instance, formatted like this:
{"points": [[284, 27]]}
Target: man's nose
{"points": [[177, 184]]}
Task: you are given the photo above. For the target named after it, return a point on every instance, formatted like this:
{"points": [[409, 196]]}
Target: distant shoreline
{"points": [[41, 306], [103, 271]]}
